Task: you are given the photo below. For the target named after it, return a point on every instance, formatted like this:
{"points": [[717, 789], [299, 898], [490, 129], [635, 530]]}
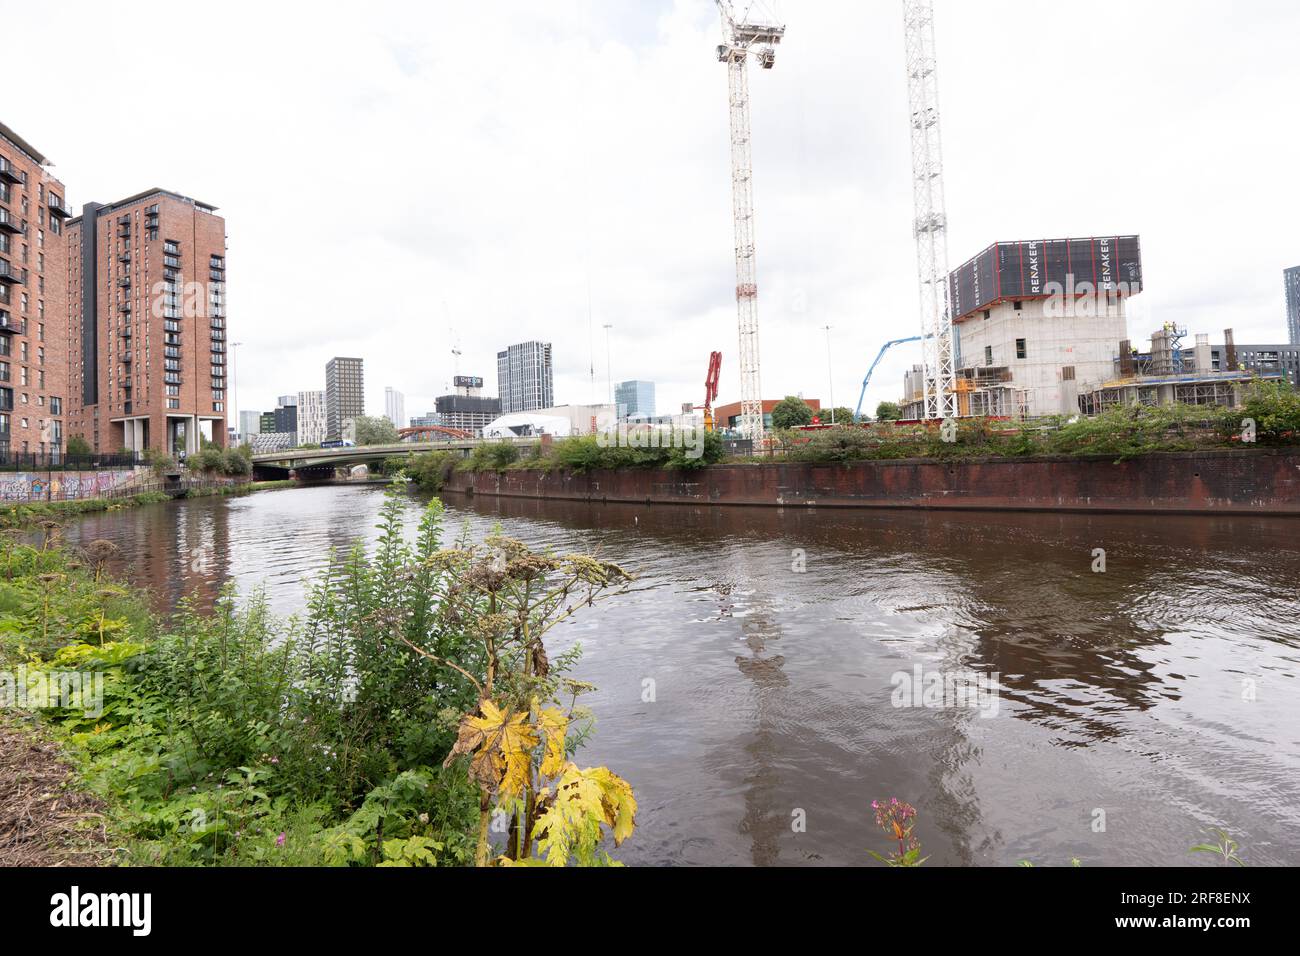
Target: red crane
{"points": [[711, 389]]}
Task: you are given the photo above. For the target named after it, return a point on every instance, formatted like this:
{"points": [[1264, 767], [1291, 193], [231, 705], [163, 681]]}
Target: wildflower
{"points": [[279, 841]]}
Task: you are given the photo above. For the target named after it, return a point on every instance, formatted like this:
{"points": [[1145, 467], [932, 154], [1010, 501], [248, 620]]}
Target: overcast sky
{"points": [[399, 176]]}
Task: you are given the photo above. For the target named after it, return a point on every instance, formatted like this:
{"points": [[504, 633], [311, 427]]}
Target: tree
{"points": [[375, 431], [888, 412], [791, 412], [838, 415], [77, 445]]}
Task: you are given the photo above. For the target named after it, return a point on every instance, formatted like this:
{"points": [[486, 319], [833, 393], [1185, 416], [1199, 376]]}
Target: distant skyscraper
{"points": [[525, 378], [635, 399], [249, 423], [311, 418], [395, 406], [1292, 278], [345, 394]]}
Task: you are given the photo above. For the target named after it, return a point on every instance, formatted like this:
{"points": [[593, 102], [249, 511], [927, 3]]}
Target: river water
{"points": [[1132, 709]]}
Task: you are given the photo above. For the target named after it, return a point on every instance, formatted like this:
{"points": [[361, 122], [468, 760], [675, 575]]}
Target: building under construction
{"points": [[1170, 373], [1036, 323]]}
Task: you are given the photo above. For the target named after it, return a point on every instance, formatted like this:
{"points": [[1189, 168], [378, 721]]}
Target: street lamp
{"points": [[609, 366], [233, 404], [830, 375]]}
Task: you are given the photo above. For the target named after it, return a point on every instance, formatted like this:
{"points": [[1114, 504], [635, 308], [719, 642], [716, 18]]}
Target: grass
{"points": [[23, 513]]}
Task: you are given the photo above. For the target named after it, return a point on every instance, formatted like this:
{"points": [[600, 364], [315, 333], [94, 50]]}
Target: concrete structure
{"points": [[635, 399], [525, 378], [395, 406], [147, 324], [728, 416], [1291, 279], [345, 394], [34, 370], [250, 423], [1037, 324], [1169, 374], [273, 441], [528, 425], [311, 417], [467, 409], [564, 421]]}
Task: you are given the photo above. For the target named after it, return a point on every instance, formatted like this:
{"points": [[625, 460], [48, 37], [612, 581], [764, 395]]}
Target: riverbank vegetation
{"points": [[18, 514], [1122, 432], [413, 715]]}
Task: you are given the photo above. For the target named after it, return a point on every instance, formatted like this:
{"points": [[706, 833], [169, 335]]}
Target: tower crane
{"points": [[741, 38], [931, 223]]}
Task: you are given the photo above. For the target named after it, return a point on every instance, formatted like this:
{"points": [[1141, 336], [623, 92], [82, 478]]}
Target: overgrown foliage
{"points": [[792, 412], [336, 738], [1122, 432]]}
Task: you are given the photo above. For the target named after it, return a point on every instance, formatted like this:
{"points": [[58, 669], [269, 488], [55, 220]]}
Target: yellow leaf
{"points": [[584, 800], [554, 725], [501, 748]]}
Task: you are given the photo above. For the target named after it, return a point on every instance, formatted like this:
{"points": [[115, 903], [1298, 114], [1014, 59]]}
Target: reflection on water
{"points": [[1128, 691]]}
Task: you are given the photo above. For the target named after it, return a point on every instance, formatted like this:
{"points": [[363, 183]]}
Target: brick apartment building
{"points": [[33, 301], [146, 327]]}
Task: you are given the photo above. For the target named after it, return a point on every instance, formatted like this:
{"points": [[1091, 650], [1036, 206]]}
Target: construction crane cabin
{"points": [[742, 37]]}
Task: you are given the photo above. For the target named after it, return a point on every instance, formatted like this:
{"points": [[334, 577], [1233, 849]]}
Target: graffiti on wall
{"points": [[61, 485]]}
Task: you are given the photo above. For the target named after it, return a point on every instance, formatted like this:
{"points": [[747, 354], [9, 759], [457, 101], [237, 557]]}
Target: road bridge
{"points": [[321, 462]]}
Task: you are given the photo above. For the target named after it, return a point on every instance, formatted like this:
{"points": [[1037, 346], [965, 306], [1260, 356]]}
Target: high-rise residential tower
{"points": [[311, 418], [33, 302], [1291, 278], [345, 394], [147, 324], [525, 378], [395, 406]]}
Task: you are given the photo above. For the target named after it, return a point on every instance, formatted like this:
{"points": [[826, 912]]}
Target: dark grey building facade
{"points": [[524, 377], [1291, 278], [345, 394]]}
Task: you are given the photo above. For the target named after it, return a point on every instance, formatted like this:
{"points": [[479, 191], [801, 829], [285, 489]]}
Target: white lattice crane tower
{"points": [[743, 37], [931, 224]]}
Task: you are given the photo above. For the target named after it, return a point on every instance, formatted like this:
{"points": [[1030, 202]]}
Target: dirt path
{"points": [[45, 820]]}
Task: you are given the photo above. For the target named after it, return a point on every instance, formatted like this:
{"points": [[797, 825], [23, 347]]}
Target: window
{"points": [[988, 314], [1019, 306], [1021, 350], [988, 355], [1067, 373]]}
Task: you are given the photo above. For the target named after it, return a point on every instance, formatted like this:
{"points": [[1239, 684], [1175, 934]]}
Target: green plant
{"points": [[898, 820], [77, 445], [888, 412], [791, 412], [1225, 848]]}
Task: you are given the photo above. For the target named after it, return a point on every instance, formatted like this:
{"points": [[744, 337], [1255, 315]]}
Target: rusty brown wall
{"points": [[1246, 482]]}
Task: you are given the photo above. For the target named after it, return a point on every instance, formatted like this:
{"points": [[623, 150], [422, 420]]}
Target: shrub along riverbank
{"points": [[412, 705], [21, 513], [1269, 418]]}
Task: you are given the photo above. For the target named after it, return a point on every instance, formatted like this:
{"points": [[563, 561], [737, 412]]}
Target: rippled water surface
{"points": [[1163, 692]]}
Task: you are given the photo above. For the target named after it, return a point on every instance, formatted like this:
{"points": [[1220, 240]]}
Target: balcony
{"points": [[124, 282], [57, 207], [125, 257], [8, 173], [8, 223], [11, 326], [125, 307], [127, 357], [10, 275], [125, 332]]}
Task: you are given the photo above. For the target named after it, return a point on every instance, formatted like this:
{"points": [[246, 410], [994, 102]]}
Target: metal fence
{"points": [[55, 462]]}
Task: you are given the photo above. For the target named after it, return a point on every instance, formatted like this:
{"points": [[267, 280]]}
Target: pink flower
{"points": [[279, 841]]}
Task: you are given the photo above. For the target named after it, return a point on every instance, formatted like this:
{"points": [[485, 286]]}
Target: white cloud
{"points": [[393, 171]]}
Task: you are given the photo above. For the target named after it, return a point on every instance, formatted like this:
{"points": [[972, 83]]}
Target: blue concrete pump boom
{"points": [[857, 416]]}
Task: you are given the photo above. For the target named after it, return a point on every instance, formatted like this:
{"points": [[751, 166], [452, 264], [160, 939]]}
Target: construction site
{"points": [[1024, 330]]}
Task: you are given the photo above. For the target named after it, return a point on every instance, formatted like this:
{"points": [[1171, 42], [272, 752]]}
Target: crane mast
{"points": [[741, 39], [931, 224]]}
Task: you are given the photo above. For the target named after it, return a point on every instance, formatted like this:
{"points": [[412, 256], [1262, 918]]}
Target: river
{"points": [[1134, 707]]}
